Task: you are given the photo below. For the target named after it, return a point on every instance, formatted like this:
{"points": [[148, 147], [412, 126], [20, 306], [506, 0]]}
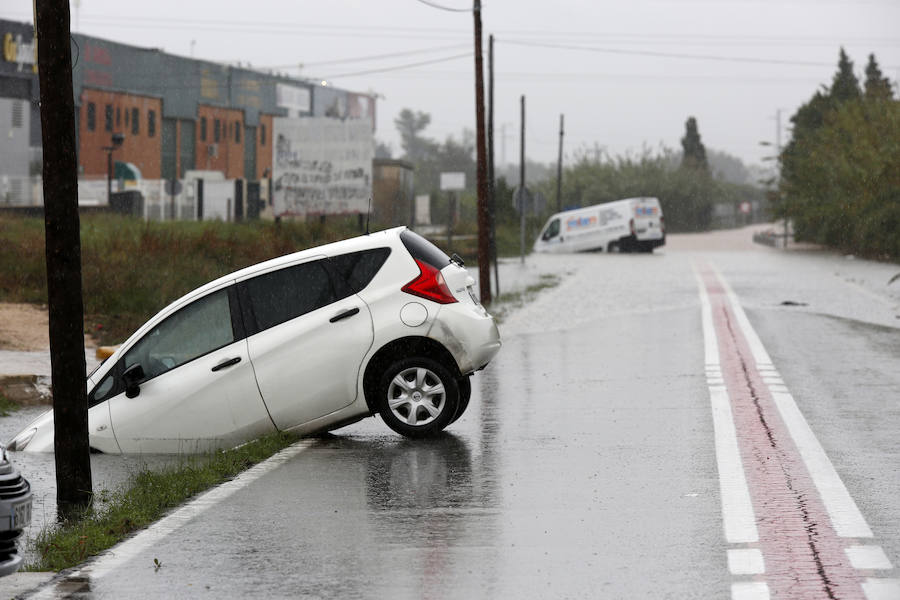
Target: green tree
{"points": [[694, 155], [845, 85], [877, 86], [410, 125]]}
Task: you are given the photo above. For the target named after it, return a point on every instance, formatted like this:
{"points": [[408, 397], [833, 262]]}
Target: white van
{"points": [[630, 225]]}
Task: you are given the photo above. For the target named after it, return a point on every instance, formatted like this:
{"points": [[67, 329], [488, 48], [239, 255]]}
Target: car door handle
{"points": [[344, 315], [227, 363]]}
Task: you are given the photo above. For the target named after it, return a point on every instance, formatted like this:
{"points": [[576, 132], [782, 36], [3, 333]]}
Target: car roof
{"points": [[354, 244]]}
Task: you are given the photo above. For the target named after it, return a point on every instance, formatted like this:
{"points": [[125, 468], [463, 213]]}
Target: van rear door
{"points": [[648, 219]]}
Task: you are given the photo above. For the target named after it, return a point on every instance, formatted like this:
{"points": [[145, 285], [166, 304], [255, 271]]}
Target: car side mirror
{"points": [[132, 377]]}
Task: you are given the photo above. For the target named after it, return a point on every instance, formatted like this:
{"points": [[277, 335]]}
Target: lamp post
{"points": [[117, 140]]}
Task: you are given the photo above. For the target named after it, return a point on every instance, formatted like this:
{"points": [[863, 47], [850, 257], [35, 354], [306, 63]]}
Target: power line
{"points": [[369, 57], [712, 57], [398, 67], [448, 8]]}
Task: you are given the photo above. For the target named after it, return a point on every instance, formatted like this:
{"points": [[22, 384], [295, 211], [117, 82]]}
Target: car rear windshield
{"points": [[422, 249], [359, 268]]}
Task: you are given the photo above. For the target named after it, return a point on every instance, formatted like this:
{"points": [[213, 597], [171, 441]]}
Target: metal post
{"points": [[484, 264], [778, 166], [522, 183], [559, 168], [109, 174]]}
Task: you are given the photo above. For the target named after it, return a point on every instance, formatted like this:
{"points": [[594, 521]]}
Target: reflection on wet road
{"points": [[585, 466]]}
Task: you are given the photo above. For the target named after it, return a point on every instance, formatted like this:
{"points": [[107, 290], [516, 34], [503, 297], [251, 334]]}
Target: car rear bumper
{"points": [[469, 333]]}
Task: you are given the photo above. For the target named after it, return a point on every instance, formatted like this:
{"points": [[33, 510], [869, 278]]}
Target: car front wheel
{"points": [[417, 397]]}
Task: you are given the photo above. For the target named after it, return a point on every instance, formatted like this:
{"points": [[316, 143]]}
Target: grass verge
{"points": [[507, 302], [7, 406], [144, 499]]}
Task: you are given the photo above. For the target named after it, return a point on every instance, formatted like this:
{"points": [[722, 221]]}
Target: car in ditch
{"points": [[384, 323]]}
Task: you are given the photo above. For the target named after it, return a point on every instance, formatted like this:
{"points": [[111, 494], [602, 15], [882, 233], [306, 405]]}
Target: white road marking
{"points": [[746, 561], [118, 555], [868, 557], [881, 589], [845, 515], [710, 343], [750, 590], [737, 509], [760, 356]]}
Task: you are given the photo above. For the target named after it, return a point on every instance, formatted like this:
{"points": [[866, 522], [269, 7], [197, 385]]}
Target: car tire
{"points": [[465, 392], [417, 397]]}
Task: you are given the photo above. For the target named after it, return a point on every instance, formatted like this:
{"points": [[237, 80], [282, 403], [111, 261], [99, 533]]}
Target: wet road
{"points": [[591, 462]]}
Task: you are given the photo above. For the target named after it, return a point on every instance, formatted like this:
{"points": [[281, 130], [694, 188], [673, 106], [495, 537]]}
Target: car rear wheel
{"points": [[465, 392], [417, 397]]}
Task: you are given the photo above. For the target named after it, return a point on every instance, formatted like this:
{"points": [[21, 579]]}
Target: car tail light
{"points": [[430, 285], [662, 224], [631, 225]]}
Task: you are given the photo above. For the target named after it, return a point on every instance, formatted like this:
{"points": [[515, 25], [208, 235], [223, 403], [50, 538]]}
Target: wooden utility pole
{"points": [[559, 168], [522, 196], [492, 200], [63, 252], [484, 264]]}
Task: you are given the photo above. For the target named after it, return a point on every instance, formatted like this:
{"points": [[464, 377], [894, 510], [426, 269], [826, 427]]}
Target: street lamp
{"points": [[117, 140]]}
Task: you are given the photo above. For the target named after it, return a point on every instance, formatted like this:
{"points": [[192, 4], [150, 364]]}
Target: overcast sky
{"points": [[623, 72]]}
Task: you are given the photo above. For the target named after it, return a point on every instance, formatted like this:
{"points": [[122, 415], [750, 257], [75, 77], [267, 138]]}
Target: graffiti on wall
{"points": [[322, 166]]}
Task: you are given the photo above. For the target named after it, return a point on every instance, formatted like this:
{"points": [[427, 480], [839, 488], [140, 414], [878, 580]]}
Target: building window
{"points": [[126, 117], [91, 116], [135, 121], [237, 132], [202, 129], [151, 123], [109, 117], [217, 130], [118, 117], [18, 111], [262, 134]]}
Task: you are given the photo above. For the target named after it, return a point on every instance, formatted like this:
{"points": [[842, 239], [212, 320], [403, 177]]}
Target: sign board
{"points": [[423, 210], [322, 166], [297, 100], [745, 208], [453, 181]]}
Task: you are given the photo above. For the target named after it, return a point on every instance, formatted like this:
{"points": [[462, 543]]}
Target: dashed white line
{"points": [[750, 590], [868, 558], [746, 561], [881, 589]]}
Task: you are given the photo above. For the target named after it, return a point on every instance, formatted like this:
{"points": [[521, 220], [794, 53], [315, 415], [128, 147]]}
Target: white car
{"points": [[383, 323]]}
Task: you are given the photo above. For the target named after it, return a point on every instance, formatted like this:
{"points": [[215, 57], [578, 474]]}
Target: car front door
{"points": [[306, 340], [198, 391]]}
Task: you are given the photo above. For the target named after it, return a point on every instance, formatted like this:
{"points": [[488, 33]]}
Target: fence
{"points": [[153, 199]]}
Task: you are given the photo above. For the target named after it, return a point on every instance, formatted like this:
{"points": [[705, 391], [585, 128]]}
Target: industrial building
{"points": [[175, 114]]}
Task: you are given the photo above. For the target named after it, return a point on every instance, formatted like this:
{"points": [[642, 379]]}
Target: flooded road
{"points": [[606, 453]]}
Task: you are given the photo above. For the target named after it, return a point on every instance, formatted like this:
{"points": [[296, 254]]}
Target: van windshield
{"points": [[552, 230]]}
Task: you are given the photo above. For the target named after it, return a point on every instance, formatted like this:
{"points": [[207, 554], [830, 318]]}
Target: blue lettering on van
{"points": [[577, 222]]}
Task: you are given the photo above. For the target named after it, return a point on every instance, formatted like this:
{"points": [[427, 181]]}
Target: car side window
{"points": [[103, 390], [282, 295], [359, 268], [552, 230], [197, 329]]}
